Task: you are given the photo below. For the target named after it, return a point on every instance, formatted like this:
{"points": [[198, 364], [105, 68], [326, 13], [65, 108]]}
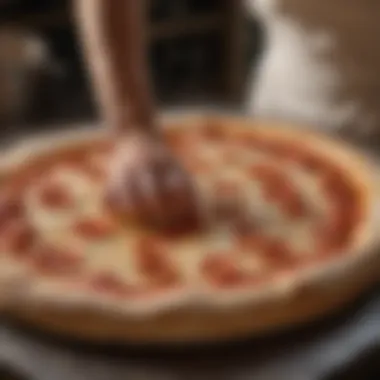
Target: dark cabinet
{"points": [[197, 53]]}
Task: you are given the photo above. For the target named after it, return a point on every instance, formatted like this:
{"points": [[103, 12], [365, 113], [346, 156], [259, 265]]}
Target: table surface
{"points": [[308, 353]]}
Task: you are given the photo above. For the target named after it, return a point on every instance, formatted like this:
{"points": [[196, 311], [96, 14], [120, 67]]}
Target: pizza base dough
{"points": [[195, 326], [322, 291]]}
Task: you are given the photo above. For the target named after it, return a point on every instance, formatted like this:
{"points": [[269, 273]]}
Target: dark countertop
{"points": [[313, 352]]}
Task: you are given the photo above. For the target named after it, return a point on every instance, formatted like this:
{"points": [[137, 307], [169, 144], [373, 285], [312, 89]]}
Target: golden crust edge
{"points": [[183, 326]]}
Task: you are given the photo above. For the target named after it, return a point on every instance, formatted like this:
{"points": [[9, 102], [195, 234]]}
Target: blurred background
{"points": [[200, 51]]}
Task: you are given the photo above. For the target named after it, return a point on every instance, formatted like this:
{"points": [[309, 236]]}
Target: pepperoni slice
{"points": [[244, 140], [197, 164], [19, 238], [261, 171], [278, 188], [284, 149], [213, 131], [153, 262], [222, 271], [105, 147], [311, 162], [110, 283], [293, 205], [10, 209], [227, 189], [345, 210], [279, 254], [337, 231], [340, 189], [56, 261], [95, 228], [243, 225], [254, 241], [55, 195], [176, 139], [272, 178], [231, 155], [94, 170], [260, 144]]}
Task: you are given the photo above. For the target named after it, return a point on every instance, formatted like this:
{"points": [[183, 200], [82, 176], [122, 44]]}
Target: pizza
{"points": [[290, 235]]}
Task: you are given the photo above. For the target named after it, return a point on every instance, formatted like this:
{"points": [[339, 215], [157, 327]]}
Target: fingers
{"points": [[161, 194], [150, 186], [161, 185], [151, 193]]}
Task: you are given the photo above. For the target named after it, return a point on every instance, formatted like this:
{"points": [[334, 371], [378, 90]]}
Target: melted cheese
{"points": [[301, 239], [310, 190], [115, 256], [45, 219], [266, 213], [251, 262], [189, 253], [86, 196]]}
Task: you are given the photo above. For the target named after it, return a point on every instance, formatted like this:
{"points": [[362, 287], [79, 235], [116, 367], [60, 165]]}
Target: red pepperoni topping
{"points": [[94, 170], [311, 163], [279, 254], [345, 210], [337, 230], [55, 195], [57, 261], [274, 181], [110, 283], [223, 272], [339, 189], [243, 225], [232, 155], [10, 209], [293, 205], [279, 191], [227, 189], [153, 262], [278, 188], [280, 149], [283, 149], [276, 252], [19, 238], [176, 139], [213, 131], [105, 147], [243, 140], [254, 242], [95, 228], [197, 164]]}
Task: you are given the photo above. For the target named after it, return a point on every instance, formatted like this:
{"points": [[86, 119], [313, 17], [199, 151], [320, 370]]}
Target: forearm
{"points": [[113, 37]]}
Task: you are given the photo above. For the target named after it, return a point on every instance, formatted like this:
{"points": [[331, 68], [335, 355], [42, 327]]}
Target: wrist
{"points": [[123, 122]]}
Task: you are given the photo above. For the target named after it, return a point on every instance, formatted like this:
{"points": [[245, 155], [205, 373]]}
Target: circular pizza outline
{"points": [[17, 287]]}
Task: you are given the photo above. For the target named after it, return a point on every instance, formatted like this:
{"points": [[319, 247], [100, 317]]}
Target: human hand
{"points": [[148, 185]]}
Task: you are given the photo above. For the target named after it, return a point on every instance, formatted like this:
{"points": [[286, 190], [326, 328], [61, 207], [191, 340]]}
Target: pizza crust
{"points": [[189, 325], [198, 315]]}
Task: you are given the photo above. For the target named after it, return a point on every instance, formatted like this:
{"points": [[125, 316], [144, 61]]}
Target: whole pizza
{"points": [[290, 234]]}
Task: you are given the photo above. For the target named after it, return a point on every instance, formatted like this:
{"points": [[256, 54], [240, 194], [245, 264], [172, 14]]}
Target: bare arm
{"points": [[113, 39]]}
